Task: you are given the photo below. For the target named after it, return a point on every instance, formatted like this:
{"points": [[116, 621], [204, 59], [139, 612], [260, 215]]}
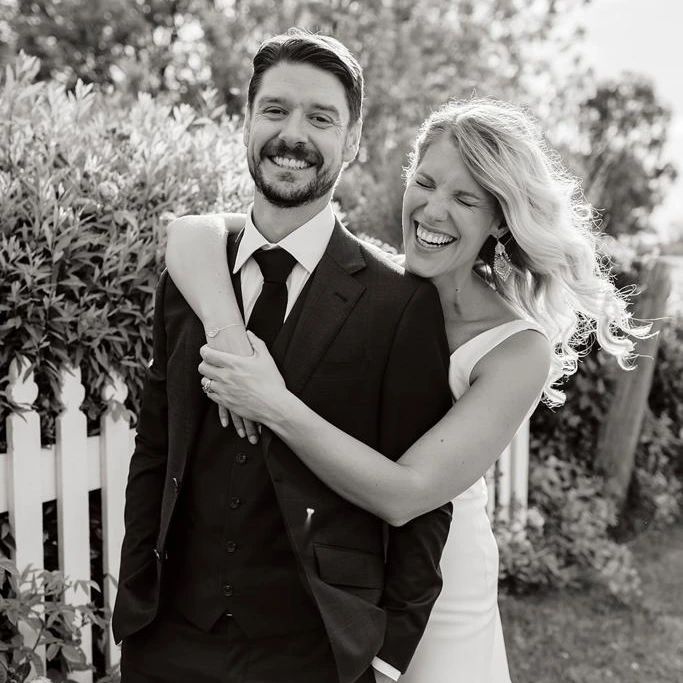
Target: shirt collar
{"points": [[306, 244]]}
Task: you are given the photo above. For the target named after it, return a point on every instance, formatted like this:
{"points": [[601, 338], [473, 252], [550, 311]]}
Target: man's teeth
{"points": [[433, 239], [286, 162]]}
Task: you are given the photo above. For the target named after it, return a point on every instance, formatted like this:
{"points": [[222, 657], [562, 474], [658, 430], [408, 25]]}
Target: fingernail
{"points": [[240, 433], [224, 422], [253, 439]]}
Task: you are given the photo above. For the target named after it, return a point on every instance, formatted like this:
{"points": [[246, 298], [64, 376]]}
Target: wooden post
{"points": [[25, 493], [72, 498], [618, 438]]}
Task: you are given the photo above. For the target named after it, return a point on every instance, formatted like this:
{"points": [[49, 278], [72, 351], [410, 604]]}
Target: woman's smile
{"points": [[430, 238]]}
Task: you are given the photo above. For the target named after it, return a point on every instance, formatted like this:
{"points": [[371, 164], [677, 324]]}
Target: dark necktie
{"points": [[269, 310]]}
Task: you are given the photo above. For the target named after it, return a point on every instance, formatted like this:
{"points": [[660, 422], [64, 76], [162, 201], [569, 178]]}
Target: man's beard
{"points": [[318, 187]]}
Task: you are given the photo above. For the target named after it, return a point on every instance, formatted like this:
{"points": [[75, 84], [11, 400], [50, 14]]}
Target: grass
{"points": [[587, 637]]}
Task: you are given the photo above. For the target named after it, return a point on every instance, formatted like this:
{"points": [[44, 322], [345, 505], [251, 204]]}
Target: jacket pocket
{"points": [[349, 567]]}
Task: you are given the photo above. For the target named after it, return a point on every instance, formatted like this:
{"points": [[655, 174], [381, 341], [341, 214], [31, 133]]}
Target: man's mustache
{"points": [[300, 152]]}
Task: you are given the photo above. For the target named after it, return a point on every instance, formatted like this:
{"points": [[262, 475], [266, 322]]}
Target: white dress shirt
{"points": [[307, 245]]}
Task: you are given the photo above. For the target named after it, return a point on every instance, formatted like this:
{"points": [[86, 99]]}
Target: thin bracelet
{"points": [[215, 330]]}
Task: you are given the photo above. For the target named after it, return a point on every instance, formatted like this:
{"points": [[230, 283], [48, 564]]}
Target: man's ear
{"points": [[245, 126], [352, 141]]}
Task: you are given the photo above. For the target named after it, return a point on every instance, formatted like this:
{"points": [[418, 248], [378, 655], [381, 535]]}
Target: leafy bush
{"points": [[36, 600], [657, 489], [87, 183], [570, 535]]}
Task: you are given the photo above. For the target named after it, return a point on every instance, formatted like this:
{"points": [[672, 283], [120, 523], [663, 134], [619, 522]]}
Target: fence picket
{"points": [[115, 454], [24, 496], [504, 485], [73, 519], [520, 472]]}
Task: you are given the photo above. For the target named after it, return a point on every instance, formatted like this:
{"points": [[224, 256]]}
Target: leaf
{"points": [[73, 654], [9, 566]]}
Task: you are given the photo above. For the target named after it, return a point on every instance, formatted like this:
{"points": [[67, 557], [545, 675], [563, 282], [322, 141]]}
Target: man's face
{"points": [[297, 134]]}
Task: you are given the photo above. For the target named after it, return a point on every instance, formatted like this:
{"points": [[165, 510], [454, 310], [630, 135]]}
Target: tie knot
{"points": [[275, 264]]}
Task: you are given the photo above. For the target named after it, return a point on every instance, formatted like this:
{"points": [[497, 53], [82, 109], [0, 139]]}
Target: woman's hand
{"points": [[249, 385]]}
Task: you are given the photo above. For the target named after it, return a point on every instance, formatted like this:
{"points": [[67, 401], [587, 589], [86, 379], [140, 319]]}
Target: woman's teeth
{"points": [[286, 162], [432, 240]]}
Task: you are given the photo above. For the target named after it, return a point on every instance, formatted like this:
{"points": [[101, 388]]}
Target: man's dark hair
{"points": [[302, 47]]}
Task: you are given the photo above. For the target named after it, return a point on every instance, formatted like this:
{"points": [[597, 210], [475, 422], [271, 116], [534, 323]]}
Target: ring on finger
{"points": [[206, 385]]}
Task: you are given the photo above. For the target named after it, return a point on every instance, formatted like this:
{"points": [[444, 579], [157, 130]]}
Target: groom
{"points": [[238, 564]]}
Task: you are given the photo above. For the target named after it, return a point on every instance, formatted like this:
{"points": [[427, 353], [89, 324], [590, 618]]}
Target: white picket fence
{"points": [[31, 474]]}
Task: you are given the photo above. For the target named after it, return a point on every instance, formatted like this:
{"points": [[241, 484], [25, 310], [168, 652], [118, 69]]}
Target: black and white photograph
{"points": [[341, 342]]}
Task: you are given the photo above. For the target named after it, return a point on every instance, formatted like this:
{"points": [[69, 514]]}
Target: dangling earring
{"points": [[501, 261]]}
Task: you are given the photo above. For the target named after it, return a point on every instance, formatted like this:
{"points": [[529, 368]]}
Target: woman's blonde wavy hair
{"points": [[559, 279]]}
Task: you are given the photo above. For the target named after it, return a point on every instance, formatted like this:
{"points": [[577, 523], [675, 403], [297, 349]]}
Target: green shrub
{"points": [[570, 536], [87, 184], [36, 600], [657, 489]]}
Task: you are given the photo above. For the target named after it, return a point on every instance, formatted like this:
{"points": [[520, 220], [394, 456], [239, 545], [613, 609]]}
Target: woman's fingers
{"points": [[256, 342], [238, 421], [252, 431], [219, 359], [244, 427], [209, 370], [224, 416]]}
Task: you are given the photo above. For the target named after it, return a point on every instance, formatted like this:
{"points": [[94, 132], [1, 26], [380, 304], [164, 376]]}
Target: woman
{"points": [[503, 233]]}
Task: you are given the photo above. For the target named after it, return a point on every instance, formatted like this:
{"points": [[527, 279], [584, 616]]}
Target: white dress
{"points": [[463, 641]]}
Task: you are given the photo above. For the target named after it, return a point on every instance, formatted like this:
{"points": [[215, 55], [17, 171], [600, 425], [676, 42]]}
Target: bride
{"points": [[503, 232]]}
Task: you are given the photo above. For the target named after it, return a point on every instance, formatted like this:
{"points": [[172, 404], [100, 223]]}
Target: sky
{"points": [[645, 36]]}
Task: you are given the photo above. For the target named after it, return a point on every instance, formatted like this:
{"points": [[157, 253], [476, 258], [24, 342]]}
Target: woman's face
{"points": [[447, 215]]}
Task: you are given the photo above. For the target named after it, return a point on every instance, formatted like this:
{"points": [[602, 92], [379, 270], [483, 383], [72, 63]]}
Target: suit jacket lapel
{"points": [[190, 398], [332, 296]]}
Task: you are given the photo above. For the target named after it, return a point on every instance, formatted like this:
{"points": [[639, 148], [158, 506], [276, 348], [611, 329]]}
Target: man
{"points": [[238, 564]]}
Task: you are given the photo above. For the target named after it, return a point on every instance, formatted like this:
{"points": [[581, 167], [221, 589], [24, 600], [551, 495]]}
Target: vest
{"points": [[228, 550]]}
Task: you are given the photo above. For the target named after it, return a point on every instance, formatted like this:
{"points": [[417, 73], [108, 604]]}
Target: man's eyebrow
{"points": [[326, 107], [272, 100]]}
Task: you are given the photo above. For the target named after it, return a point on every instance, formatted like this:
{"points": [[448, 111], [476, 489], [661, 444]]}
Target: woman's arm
{"points": [[197, 263], [447, 460]]}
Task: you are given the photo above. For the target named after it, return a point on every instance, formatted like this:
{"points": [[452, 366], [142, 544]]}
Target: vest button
{"points": [[241, 458], [227, 590], [235, 503], [231, 546]]}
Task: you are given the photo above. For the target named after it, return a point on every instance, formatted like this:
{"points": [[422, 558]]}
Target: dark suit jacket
{"points": [[369, 354]]}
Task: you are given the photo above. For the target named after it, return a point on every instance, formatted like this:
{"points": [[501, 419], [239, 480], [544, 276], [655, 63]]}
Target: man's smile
{"points": [[290, 163]]}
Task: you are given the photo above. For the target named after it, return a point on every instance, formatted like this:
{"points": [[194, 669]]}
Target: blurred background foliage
{"points": [[415, 53], [120, 114]]}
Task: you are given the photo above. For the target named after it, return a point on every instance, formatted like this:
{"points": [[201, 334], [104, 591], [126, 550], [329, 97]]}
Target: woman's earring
{"points": [[501, 261]]}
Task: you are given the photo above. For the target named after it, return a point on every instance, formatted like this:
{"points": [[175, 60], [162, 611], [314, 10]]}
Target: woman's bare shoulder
{"points": [[214, 224], [526, 353]]}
